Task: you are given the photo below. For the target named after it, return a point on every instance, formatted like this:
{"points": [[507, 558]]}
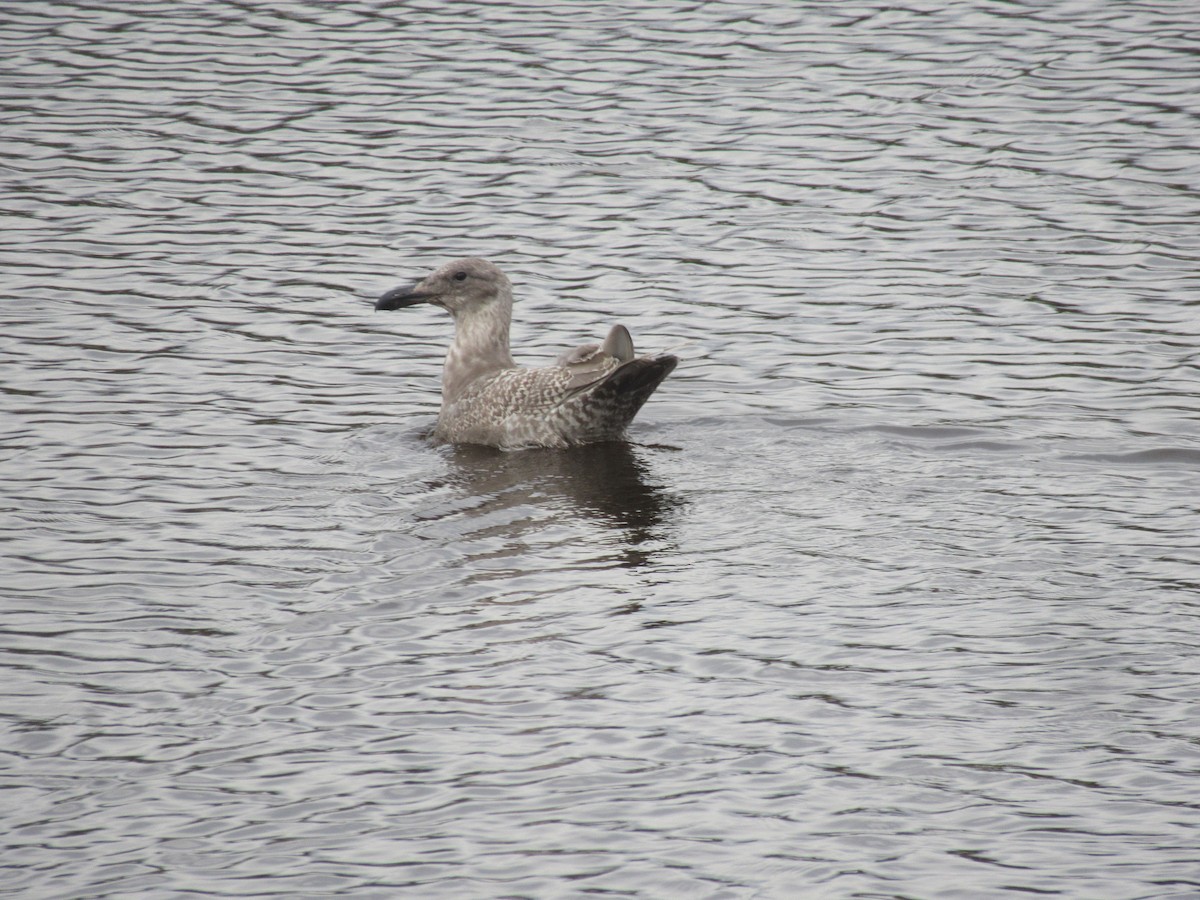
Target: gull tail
{"points": [[622, 393]]}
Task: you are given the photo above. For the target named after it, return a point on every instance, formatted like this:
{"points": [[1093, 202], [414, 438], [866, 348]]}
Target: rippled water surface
{"points": [[893, 592]]}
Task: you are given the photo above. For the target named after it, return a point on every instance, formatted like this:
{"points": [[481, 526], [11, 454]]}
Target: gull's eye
{"points": [[460, 276]]}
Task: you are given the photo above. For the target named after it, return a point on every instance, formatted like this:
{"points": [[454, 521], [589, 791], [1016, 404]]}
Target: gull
{"points": [[591, 393]]}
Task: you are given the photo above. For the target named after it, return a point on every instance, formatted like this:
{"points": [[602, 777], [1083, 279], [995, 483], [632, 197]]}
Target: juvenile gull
{"points": [[591, 393]]}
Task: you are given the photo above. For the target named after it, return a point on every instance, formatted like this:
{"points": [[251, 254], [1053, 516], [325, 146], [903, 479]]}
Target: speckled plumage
{"points": [[590, 394]]}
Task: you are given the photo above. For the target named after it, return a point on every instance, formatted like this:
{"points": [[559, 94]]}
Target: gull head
{"points": [[461, 286]]}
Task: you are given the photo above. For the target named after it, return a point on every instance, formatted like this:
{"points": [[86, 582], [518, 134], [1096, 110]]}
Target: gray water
{"points": [[893, 592]]}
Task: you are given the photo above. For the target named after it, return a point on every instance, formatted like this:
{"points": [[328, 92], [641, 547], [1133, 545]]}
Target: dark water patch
{"points": [[1164, 457]]}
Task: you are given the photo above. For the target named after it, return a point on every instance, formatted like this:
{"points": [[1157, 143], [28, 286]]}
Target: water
{"points": [[894, 591]]}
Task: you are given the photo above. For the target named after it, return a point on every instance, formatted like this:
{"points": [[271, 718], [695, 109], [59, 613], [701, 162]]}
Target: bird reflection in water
{"points": [[606, 482]]}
